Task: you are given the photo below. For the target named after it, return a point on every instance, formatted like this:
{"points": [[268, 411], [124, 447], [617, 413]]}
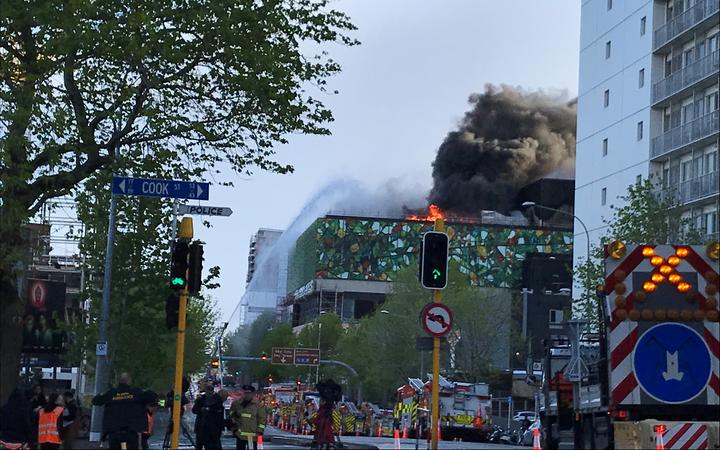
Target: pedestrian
{"points": [[145, 437], [50, 423], [210, 418], [15, 420], [70, 420], [324, 436], [125, 416], [37, 400], [248, 417]]}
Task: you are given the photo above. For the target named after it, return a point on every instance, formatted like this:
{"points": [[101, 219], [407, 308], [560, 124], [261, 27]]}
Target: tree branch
{"points": [[76, 100]]}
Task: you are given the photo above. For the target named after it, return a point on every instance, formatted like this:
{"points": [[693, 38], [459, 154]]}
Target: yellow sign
{"points": [[463, 420]]}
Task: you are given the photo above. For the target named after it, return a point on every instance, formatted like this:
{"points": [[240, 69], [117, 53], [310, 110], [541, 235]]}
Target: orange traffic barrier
{"points": [[536, 439]]}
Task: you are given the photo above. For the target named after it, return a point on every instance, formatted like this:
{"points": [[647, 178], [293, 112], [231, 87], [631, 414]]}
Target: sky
{"points": [[400, 92]]}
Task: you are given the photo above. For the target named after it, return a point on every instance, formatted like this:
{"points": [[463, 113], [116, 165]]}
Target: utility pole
{"points": [[435, 406], [186, 233]]}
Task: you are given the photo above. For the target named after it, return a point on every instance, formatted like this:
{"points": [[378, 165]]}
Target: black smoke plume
{"points": [[509, 138]]}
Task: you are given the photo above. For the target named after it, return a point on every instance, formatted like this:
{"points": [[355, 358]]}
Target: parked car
{"points": [[521, 416]]}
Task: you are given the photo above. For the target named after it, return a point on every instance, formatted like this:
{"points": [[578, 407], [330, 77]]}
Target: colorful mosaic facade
{"points": [[351, 248]]}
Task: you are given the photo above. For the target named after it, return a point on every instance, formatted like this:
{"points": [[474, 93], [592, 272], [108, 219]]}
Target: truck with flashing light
{"points": [[465, 409], [648, 375]]}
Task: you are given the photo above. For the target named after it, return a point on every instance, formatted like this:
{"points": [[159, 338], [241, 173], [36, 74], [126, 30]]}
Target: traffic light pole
{"points": [[434, 405], [186, 232]]}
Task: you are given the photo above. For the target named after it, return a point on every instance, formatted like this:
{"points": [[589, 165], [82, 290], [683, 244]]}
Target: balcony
{"points": [[699, 12], [688, 133], [698, 188], [687, 76]]}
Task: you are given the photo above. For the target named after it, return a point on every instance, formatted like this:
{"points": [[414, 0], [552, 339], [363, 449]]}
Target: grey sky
{"points": [[401, 91]]}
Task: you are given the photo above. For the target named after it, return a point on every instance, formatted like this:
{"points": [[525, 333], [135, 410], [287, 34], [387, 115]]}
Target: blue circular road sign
{"points": [[672, 363]]}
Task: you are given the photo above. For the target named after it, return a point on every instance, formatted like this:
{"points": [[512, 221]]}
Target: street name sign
{"points": [[205, 210], [436, 319], [283, 355], [146, 187], [307, 356]]}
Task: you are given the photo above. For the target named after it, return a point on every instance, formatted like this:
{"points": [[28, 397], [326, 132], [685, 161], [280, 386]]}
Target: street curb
{"points": [[298, 441]]}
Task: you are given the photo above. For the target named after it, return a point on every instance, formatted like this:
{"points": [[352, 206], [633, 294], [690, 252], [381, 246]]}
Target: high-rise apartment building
{"points": [[266, 276], [648, 106]]}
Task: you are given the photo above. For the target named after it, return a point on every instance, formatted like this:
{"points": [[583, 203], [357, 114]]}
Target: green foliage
{"points": [[644, 217]]}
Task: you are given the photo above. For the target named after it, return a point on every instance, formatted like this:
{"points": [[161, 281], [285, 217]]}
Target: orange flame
{"points": [[434, 212]]}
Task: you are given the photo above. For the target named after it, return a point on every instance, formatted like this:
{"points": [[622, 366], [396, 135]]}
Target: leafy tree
{"points": [[646, 216], [188, 86]]}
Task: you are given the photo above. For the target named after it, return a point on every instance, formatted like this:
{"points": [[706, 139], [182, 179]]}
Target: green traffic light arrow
{"points": [[436, 274]]}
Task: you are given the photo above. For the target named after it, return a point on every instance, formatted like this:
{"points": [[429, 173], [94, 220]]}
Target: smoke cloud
{"points": [[509, 139]]}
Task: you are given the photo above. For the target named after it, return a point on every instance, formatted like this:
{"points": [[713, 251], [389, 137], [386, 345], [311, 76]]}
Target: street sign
{"points": [[145, 187], [436, 319], [425, 343], [307, 356], [283, 355], [101, 348], [672, 363], [205, 210]]}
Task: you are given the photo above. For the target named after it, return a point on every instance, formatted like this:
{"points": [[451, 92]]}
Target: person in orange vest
{"points": [[49, 423]]}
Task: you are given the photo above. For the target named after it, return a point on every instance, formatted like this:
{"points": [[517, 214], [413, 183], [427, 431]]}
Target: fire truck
{"points": [[465, 409], [652, 374]]}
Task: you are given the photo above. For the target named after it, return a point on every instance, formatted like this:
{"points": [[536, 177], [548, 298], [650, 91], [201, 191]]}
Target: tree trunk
{"points": [[11, 318]]}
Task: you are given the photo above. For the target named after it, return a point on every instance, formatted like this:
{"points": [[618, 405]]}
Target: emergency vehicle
{"points": [[655, 382], [465, 409]]}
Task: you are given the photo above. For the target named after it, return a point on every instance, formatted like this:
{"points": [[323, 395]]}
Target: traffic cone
{"points": [[405, 432], [536, 439], [396, 435], [659, 444], [439, 434], [379, 432], [260, 442]]}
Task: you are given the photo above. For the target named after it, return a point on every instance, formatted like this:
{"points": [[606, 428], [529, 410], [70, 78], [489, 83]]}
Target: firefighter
{"points": [[125, 416], [49, 420], [248, 417]]}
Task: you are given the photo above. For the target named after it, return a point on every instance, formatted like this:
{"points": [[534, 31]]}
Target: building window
{"points": [[640, 131], [603, 196], [606, 98], [608, 46], [605, 147], [556, 316], [643, 21], [641, 78], [609, 5]]}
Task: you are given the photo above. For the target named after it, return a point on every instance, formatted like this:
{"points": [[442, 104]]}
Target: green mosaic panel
{"points": [[371, 249]]}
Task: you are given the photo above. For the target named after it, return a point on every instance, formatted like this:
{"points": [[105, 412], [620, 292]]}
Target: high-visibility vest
{"points": [[47, 426]]}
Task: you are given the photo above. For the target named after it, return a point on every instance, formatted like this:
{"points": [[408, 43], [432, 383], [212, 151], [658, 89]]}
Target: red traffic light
{"points": [[263, 356], [215, 363], [270, 379]]}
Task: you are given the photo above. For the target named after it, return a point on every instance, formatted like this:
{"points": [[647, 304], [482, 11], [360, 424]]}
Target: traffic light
{"points": [[215, 363], [263, 356], [434, 260], [270, 379], [195, 267], [298, 382], [172, 311], [179, 265]]}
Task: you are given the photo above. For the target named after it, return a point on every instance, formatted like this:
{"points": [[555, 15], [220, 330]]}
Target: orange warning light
{"points": [[648, 251], [649, 286], [665, 269], [682, 252], [683, 287], [674, 278], [673, 261], [656, 260], [657, 278]]}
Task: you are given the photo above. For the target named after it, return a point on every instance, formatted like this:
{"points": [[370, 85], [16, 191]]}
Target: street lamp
{"points": [[588, 284], [317, 370]]}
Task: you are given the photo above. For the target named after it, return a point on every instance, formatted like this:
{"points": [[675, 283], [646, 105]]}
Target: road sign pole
{"points": [[101, 372], [185, 233], [435, 406]]}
